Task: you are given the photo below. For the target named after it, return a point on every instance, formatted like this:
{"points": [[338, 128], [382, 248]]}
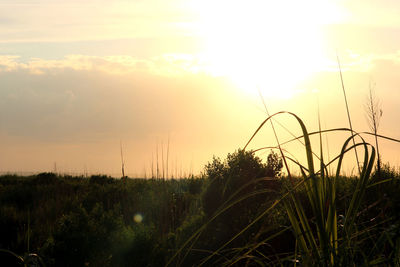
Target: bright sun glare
{"points": [[271, 45]]}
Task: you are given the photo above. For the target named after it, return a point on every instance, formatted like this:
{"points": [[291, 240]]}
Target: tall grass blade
{"points": [[276, 138], [347, 109]]}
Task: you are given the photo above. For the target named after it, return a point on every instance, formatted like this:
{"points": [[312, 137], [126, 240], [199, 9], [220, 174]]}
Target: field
{"points": [[240, 212]]}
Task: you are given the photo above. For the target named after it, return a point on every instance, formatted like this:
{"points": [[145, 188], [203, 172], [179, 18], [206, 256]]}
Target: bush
{"points": [[138, 247], [101, 179], [46, 178], [244, 186], [85, 237], [240, 171]]}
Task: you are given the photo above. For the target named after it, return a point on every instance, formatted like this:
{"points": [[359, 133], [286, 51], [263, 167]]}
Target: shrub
{"points": [[101, 179], [240, 171], [46, 178]]}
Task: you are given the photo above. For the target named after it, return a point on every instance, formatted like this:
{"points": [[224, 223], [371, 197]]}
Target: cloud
{"points": [[10, 63], [92, 98], [87, 97], [363, 62], [166, 65]]}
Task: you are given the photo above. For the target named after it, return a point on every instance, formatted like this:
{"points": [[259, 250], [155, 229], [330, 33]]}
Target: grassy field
{"points": [[240, 212]]}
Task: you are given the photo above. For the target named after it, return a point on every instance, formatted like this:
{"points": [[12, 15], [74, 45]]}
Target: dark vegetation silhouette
{"points": [[77, 221], [73, 221]]}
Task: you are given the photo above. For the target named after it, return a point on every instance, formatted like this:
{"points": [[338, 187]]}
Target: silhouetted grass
{"points": [[331, 225], [232, 216]]}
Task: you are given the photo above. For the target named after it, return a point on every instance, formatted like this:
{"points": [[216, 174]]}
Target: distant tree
{"points": [[373, 110], [244, 181]]}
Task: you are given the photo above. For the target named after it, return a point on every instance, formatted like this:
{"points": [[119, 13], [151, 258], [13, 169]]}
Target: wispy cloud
{"points": [[166, 65], [91, 20], [369, 62]]}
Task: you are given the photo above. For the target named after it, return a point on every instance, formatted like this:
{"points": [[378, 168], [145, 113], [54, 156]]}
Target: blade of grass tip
{"points": [[276, 137], [307, 142], [328, 131], [316, 132], [347, 108], [298, 138], [327, 147], [262, 125], [325, 192], [321, 184], [383, 137], [343, 151], [320, 143], [292, 134]]}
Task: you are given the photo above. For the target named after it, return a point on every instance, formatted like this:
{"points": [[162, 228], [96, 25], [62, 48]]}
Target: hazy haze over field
{"points": [[78, 77]]}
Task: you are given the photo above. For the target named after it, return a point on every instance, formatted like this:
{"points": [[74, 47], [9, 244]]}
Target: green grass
{"points": [[256, 221], [327, 229], [321, 246]]}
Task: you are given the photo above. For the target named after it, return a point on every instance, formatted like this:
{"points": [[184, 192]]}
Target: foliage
{"points": [[70, 221], [238, 189], [328, 239], [235, 215], [239, 171]]}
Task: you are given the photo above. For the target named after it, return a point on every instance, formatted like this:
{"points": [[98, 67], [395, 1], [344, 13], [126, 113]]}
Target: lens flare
{"points": [[138, 218]]}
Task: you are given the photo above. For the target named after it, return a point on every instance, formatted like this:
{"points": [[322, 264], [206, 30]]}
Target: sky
{"points": [[186, 80]]}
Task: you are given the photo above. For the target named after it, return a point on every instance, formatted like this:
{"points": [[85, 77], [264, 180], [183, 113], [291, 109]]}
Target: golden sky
{"points": [[79, 77]]}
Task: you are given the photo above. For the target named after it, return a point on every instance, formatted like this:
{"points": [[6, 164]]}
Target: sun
{"points": [[267, 45]]}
